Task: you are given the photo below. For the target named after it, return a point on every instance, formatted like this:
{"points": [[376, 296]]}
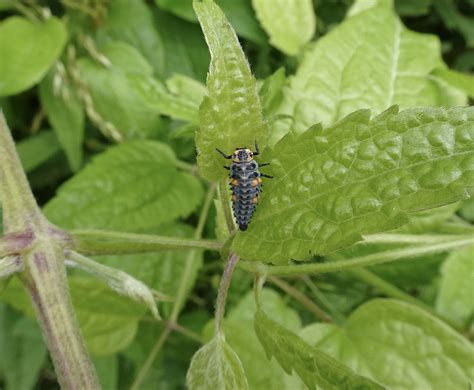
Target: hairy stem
{"points": [[363, 261], [222, 293], [181, 294], [100, 242], [10, 265], [301, 298], [44, 272]]}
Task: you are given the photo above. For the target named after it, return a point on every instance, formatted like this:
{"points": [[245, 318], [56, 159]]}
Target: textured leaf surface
{"points": [[23, 350], [230, 116], [368, 61], [359, 177], [289, 23], [108, 321], [313, 366], [121, 25], [399, 345], [28, 50], [66, 116], [133, 186], [456, 293], [114, 89], [216, 366], [462, 81]]}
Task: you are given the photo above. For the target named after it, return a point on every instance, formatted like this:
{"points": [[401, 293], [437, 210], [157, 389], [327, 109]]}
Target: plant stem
{"points": [[181, 294], [10, 265], [100, 242], [392, 291], [363, 261], [44, 272], [222, 293], [301, 298], [12, 243]]}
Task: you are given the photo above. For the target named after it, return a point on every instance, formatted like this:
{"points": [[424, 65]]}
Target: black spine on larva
{"points": [[246, 189]]}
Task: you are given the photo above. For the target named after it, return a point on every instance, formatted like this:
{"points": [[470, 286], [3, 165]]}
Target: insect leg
{"points": [[257, 149], [228, 157], [263, 164], [226, 167], [264, 175]]}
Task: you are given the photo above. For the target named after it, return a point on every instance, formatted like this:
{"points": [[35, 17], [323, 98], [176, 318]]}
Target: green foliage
{"points": [[397, 345], [289, 23], [455, 293], [66, 116], [313, 366], [22, 350], [121, 25], [328, 193], [111, 192], [230, 116], [28, 50], [333, 77], [294, 86], [36, 150], [216, 366], [107, 328]]}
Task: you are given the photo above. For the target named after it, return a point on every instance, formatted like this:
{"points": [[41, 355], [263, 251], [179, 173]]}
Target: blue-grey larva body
{"points": [[245, 183]]}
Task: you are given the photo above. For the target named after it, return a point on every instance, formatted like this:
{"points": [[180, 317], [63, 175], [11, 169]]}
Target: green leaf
{"points": [[398, 345], [134, 186], [38, 149], [107, 371], [289, 23], [467, 209], [369, 61], [239, 13], [455, 298], [313, 366], [271, 92], [413, 8], [28, 51], [144, 36], [231, 114], [66, 116], [185, 47], [114, 90], [216, 366], [359, 177], [241, 336], [462, 81], [455, 19], [108, 321], [23, 350], [174, 103]]}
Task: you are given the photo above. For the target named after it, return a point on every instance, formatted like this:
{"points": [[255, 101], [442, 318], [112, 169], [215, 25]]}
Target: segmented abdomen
{"points": [[246, 187]]}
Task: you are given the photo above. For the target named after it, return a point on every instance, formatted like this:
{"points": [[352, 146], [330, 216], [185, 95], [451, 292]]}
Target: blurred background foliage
{"points": [[122, 70]]}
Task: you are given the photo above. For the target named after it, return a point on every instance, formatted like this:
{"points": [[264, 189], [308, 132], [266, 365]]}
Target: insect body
{"points": [[245, 182]]}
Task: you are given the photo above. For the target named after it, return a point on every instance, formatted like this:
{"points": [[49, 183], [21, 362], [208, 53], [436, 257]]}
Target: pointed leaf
{"points": [[132, 186], [289, 23], [358, 177], [216, 366], [66, 116], [28, 51], [313, 366], [369, 61], [231, 114]]}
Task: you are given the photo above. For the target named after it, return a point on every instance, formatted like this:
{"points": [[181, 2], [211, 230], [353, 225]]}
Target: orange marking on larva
{"points": [[259, 181], [255, 200], [255, 183], [234, 198], [234, 182]]}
